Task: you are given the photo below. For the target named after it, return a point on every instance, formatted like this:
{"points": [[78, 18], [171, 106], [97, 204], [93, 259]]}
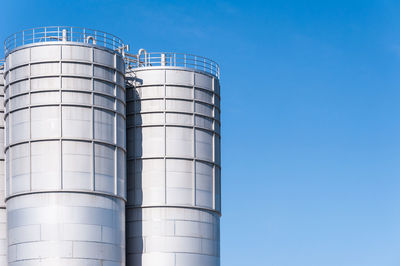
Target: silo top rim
{"points": [[166, 59], [62, 34]]}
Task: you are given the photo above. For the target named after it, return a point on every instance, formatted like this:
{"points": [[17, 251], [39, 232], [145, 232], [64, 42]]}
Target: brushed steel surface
{"points": [[173, 147], [172, 236], [66, 229], [65, 155]]}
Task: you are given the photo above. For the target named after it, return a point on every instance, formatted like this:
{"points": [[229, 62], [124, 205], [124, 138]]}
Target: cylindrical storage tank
{"points": [[3, 213], [65, 148], [174, 167]]}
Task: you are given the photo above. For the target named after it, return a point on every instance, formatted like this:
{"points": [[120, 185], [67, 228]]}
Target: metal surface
{"points": [[173, 145], [62, 33], [3, 213], [65, 153]]}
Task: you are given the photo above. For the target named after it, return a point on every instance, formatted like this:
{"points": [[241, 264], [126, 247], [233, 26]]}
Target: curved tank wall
{"points": [[65, 155], [3, 213], [173, 145]]}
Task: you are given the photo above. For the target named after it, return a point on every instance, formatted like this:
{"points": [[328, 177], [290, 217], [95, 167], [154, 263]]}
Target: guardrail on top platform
{"points": [[173, 59], [62, 33]]}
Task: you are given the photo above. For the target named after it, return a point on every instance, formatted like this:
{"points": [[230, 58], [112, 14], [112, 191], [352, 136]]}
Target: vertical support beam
{"points": [[93, 172], [165, 138], [115, 130], [194, 137], [30, 119], [60, 115]]}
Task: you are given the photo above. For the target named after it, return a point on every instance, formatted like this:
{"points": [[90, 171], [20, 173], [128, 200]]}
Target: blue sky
{"points": [[311, 125]]}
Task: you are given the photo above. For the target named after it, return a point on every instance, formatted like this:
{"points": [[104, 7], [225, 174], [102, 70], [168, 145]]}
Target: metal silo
{"points": [[65, 147], [3, 214], [174, 166]]}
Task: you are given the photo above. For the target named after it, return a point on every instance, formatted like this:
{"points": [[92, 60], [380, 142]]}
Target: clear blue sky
{"points": [[311, 116]]}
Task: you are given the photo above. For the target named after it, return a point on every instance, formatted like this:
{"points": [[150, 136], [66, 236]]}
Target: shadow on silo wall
{"points": [[134, 226]]}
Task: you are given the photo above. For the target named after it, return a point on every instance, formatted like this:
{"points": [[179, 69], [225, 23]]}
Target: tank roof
{"points": [[62, 34], [166, 59]]}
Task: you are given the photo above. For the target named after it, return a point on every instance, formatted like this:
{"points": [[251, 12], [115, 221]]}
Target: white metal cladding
{"points": [[65, 135], [173, 144], [3, 214]]}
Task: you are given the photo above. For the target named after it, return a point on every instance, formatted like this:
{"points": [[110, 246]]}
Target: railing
{"points": [[61, 33], [173, 59]]}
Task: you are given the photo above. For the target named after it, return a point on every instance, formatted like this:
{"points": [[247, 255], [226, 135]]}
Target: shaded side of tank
{"points": [[3, 213]]}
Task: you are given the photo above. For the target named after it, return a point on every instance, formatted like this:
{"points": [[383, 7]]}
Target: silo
{"points": [[3, 214], [174, 166], [65, 147]]}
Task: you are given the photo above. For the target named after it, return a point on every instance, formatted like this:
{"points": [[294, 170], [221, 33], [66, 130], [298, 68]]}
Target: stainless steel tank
{"points": [[65, 148], [174, 165], [3, 214]]}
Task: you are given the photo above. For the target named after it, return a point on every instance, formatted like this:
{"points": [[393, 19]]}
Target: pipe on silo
{"points": [[64, 35], [90, 38], [163, 60], [145, 56]]}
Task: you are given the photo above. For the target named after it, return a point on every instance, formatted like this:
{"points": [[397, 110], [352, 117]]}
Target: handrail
{"points": [[172, 59], [62, 33]]}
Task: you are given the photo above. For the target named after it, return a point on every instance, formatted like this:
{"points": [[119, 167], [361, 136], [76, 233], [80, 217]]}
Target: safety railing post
{"points": [[162, 59]]}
